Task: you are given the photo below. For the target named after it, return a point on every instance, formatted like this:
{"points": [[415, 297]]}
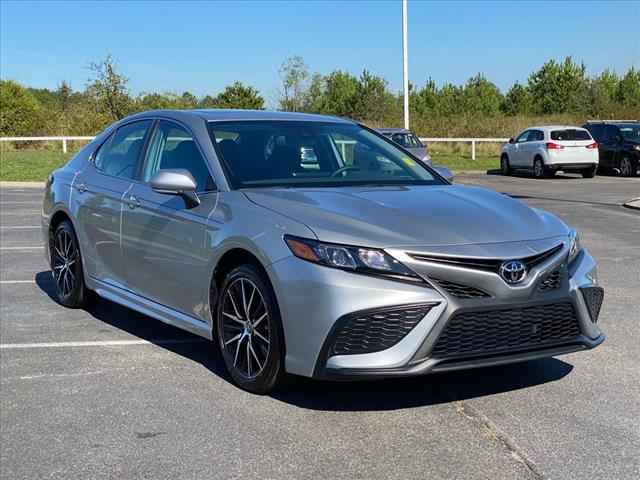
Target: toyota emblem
{"points": [[513, 271]]}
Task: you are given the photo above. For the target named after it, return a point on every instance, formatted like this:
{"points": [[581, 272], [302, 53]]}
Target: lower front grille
{"points": [[375, 330], [495, 331]]}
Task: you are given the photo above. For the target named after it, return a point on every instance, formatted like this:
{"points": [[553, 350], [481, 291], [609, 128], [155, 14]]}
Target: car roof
{"points": [[555, 127], [392, 130], [218, 115]]}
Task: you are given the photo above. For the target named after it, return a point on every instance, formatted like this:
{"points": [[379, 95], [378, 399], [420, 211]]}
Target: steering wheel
{"points": [[341, 170]]}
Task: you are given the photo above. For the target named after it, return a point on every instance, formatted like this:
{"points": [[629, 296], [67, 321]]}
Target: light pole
{"points": [[405, 65]]}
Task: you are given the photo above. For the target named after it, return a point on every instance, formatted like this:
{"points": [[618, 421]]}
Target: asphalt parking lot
{"points": [[109, 393]]}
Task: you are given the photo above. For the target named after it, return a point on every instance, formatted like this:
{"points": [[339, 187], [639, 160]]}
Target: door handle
{"points": [[81, 188], [133, 202]]}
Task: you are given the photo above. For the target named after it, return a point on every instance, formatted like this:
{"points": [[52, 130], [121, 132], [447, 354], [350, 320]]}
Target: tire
{"points": [[538, 168], [589, 172], [253, 352], [505, 169], [66, 267], [627, 167]]}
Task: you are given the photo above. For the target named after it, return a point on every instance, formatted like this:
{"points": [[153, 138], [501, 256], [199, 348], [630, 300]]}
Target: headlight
{"points": [[636, 147], [356, 259], [574, 245]]}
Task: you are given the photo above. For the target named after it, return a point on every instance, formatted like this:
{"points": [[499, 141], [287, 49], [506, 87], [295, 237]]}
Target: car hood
{"points": [[410, 216]]}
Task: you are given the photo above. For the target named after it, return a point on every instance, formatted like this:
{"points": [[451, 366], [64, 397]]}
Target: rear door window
{"points": [[570, 135], [119, 155]]}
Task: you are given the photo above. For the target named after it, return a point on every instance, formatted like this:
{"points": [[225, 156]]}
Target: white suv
{"points": [[546, 150]]}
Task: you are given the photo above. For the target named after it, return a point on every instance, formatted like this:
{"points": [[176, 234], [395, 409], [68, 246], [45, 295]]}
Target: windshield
{"points": [[300, 154], [630, 132]]}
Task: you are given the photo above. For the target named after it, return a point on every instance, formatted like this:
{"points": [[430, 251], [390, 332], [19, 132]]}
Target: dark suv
{"points": [[618, 143]]}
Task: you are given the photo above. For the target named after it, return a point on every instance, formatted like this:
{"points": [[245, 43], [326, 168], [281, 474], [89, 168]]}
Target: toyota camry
{"points": [[314, 246]]}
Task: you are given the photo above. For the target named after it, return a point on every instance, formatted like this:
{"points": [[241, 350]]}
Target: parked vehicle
{"points": [[355, 265], [619, 145], [408, 140], [549, 149]]}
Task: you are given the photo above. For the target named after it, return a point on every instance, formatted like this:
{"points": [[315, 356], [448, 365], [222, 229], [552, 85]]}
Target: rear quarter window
{"points": [[570, 135]]}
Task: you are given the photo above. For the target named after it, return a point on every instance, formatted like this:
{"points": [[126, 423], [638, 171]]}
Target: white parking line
{"points": [[2, 204], [22, 227], [104, 343], [26, 212], [34, 247], [7, 282]]}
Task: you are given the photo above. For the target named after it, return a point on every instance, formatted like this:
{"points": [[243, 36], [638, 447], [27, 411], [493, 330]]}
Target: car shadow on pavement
{"points": [[374, 395]]}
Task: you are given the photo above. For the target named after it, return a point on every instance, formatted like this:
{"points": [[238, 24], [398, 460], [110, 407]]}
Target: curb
{"points": [[634, 204], [22, 184]]}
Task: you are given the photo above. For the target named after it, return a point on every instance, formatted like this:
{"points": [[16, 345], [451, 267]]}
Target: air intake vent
{"points": [[497, 331], [375, 330], [460, 291], [551, 281], [593, 297]]}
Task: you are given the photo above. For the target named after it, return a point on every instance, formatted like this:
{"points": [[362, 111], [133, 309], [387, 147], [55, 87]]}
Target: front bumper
{"points": [[318, 302]]}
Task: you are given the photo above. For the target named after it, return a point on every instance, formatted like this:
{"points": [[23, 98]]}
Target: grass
{"points": [[35, 165], [29, 165]]}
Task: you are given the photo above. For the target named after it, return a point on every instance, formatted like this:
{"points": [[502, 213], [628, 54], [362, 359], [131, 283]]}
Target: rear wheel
{"points": [[505, 169], [250, 331], [627, 167], [589, 172], [538, 168], [66, 267]]}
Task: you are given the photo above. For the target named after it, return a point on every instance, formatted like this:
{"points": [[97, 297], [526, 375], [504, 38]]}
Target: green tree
{"points": [[339, 94], [109, 89], [19, 110], [559, 87], [602, 93], [481, 96], [238, 95], [294, 74], [517, 101], [628, 92], [372, 99]]}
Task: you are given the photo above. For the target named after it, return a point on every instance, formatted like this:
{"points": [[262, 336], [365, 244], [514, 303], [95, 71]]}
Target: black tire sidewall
{"points": [[78, 295], [273, 373], [504, 165]]}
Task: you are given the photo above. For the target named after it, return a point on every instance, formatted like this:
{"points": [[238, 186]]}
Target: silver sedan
{"points": [[314, 246]]}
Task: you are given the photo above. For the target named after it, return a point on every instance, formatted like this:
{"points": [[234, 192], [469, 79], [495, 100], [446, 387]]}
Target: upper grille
{"points": [[459, 290], [551, 281], [490, 265], [496, 331], [375, 330]]}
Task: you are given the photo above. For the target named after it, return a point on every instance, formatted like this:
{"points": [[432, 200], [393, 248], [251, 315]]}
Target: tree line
{"points": [[559, 89]]}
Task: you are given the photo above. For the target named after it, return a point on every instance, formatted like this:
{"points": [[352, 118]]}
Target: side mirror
{"points": [[445, 172], [512, 140], [176, 182]]}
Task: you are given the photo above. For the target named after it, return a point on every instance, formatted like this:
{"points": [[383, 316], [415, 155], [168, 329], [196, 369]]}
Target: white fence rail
{"points": [[472, 141], [427, 140]]}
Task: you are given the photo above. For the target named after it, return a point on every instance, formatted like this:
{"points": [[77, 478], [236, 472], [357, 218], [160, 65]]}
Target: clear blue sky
{"points": [[203, 46]]}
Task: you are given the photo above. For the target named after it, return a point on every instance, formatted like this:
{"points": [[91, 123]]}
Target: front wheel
{"points": [[250, 331], [66, 267], [538, 168]]}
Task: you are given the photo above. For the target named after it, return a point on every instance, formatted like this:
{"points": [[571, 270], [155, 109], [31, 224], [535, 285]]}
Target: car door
{"points": [[164, 241], [531, 147], [517, 157], [98, 193], [609, 147]]}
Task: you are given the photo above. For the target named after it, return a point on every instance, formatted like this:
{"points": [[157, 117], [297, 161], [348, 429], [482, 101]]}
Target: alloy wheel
{"points": [[538, 168], [246, 334], [64, 258], [625, 167]]}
